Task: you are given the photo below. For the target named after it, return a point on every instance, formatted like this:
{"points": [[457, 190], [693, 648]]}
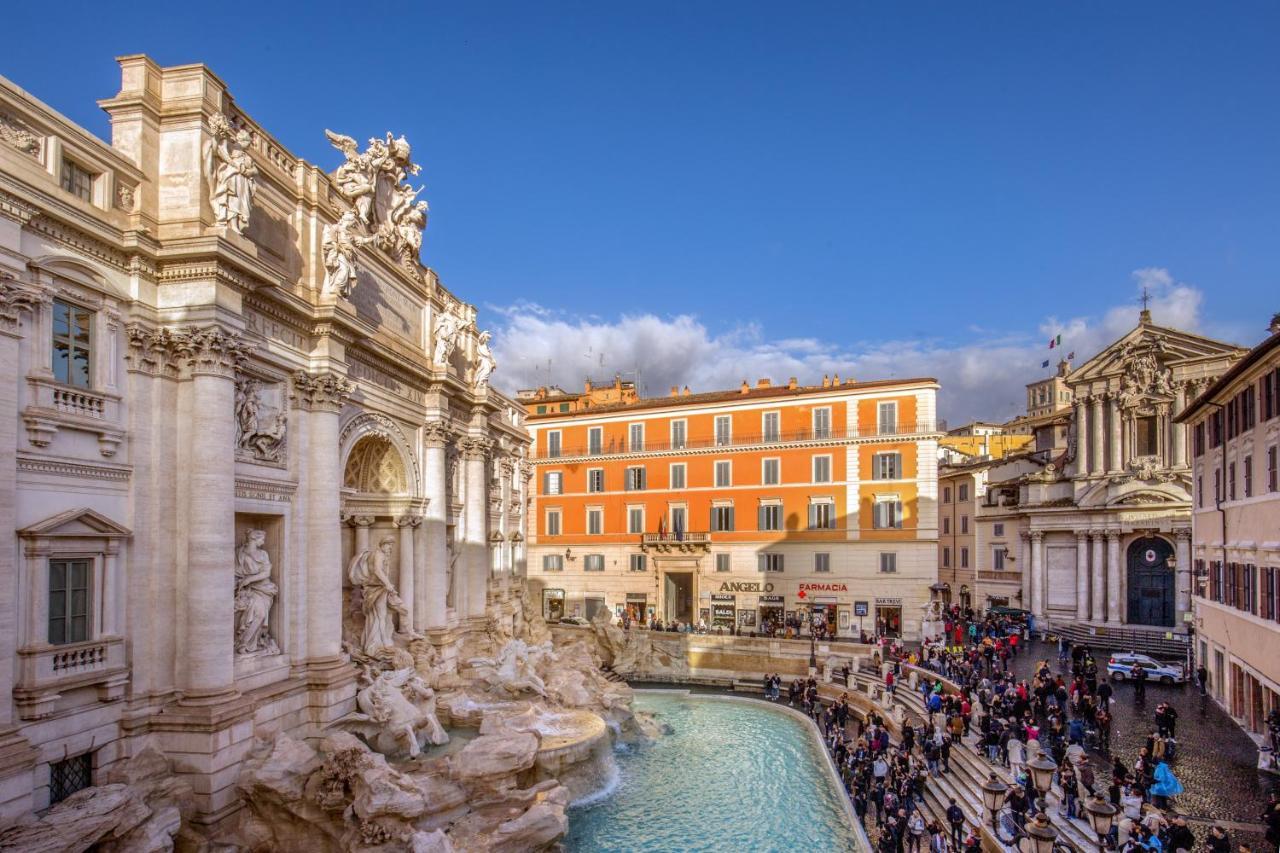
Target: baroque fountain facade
{"points": [[263, 514]]}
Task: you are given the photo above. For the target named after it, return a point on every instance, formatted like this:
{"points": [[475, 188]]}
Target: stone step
{"points": [[974, 769]]}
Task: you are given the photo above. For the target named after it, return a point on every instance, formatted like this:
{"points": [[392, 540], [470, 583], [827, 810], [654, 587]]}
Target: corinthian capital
{"points": [[151, 350], [16, 297], [475, 448], [435, 434], [210, 350], [322, 392]]}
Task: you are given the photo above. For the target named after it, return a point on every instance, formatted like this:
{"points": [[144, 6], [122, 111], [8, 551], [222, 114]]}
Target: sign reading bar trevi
{"points": [[746, 586]]}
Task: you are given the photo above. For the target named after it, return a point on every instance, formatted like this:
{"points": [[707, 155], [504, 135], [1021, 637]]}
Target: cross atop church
{"points": [[1145, 316]]}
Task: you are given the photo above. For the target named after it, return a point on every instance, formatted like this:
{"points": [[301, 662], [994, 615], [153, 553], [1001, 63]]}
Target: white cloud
{"points": [[981, 379]]}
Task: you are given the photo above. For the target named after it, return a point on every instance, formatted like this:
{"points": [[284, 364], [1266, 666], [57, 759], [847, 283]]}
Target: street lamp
{"points": [[1042, 769], [1101, 816], [1042, 834], [993, 793]]}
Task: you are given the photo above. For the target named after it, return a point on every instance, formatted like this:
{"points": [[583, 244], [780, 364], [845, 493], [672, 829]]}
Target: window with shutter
{"points": [[678, 435], [772, 429], [724, 432], [822, 423], [677, 476]]}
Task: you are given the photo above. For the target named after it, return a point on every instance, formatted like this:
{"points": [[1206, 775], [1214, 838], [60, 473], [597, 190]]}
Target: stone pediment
{"points": [[1165, 347], [1144, 498], [77, 523]]}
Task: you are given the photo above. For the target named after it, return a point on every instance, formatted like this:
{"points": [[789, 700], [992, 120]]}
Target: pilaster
{"points": [[1082, 576], [1115, 592], [1098, 576], [432, 603], [1037, 573]]}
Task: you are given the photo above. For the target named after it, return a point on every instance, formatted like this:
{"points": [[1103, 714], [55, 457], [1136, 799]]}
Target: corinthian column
{"points": [[1182, 553], [1097, 464], [1178, 436], [210, 355], [1082, 438], [435, 594], [1117, 461], [1097, 572], [321, 396], [1115, 592], [407, 524], [1024, 567], [475, 545], [1082, 576], [1037, 573]]}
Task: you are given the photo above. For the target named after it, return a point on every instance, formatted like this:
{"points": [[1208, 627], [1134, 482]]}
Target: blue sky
{"points": [[872, 188]]}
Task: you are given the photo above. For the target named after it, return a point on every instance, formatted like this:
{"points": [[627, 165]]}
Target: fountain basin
{"points": [[734, 774]]}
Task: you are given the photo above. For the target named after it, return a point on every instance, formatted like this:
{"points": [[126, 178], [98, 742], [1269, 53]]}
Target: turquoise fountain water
{"points": [[734, 775]]}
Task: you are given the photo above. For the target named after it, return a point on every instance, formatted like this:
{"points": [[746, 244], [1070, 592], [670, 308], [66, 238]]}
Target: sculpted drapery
{"points": [[255, 593], [368, 570]]}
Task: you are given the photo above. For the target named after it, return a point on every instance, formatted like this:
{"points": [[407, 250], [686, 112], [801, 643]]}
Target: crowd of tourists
{"points": [[1063, 715], [1008, 722]]}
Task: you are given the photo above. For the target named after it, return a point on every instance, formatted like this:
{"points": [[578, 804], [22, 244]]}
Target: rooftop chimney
{"points": [[745, 387], [1274, 328], [763, 383], [835, 380], [686, 390], [586, 386], [792, 383], [849, 380], [675, 390], [826, 381]]}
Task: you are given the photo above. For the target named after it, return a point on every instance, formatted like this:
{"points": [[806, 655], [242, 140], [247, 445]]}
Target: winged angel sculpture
{"points": [[385, 210]]}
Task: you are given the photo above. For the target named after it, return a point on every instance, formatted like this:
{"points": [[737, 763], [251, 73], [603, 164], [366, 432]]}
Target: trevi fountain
{"points": [[264, 515]]}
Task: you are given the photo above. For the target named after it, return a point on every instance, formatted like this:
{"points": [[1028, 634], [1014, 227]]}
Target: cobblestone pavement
{"points": [[1216, 760]]}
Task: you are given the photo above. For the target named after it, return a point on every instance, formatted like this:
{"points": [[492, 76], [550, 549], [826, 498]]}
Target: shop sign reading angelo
{"points": [[746, 586]]}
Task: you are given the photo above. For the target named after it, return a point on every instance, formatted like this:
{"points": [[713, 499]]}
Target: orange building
{"points": [[737, 507]]}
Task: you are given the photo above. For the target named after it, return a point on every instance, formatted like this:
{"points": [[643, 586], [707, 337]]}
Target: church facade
{"points": [[1097, 519], [225, 377]]}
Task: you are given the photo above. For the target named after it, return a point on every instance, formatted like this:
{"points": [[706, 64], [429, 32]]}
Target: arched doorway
{"points": [[1151, 582]]}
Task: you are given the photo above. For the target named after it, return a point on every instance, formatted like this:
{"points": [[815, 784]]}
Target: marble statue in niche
{"points": [[485, 362], [231, 173], [255, 594], [260, 428], [368, 571]]}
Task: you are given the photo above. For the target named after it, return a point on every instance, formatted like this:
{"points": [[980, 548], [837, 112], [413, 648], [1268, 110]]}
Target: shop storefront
{"points": [[637, 607], [772, 611], [889, 617], [553, 604], [824, 603], [823, 613], [723, 610]]}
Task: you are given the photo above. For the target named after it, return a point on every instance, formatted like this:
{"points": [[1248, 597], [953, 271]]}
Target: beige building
{"points": [[224, 373], [1103, 516], [1235, 431]]}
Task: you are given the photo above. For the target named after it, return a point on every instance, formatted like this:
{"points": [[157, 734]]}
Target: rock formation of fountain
{"points": [[534, 729]]}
